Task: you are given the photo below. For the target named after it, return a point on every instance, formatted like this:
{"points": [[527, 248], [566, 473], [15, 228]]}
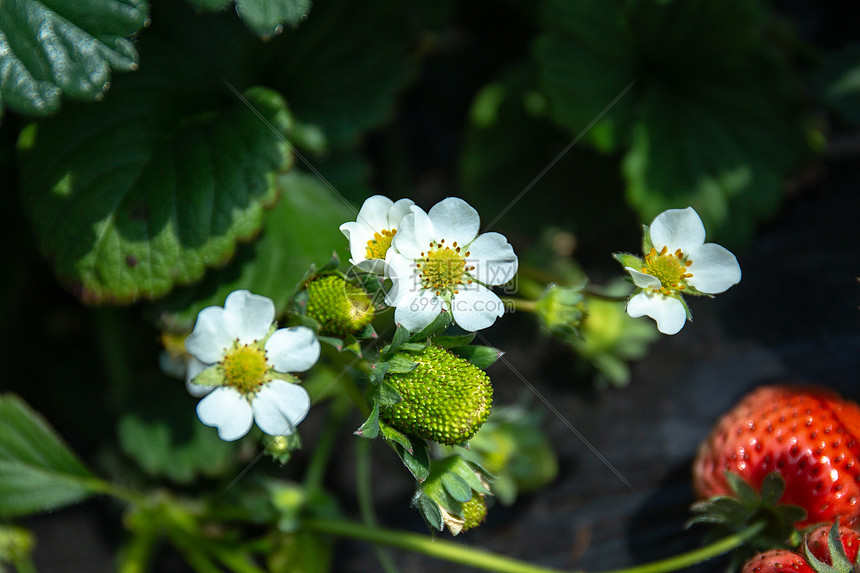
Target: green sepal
{"points": [[439, 324], [838, 558], [414, 346], [429, 510], [398, 364], [481, 356], [647, 245], [212, 376], [744, 491], [401, 335], [453, 341], [395, 436], [334, 341], [368, 332], [457, 487], [377, 373], [370, 428], [628, 260], [281, 448], [385, 394], [772, 487], [416, 461]]}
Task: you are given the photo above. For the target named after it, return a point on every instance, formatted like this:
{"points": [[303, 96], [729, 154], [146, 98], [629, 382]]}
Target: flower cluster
{"points": [[677, 261], [436, 260]]}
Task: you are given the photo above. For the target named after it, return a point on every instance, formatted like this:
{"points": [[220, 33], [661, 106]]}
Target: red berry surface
{"points": [[808, 434], [777, 560], [816, 540]]}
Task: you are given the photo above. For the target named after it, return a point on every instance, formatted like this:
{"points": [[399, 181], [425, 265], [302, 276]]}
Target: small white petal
{"points": [[714, 269], [212, 335], [193, 368], [404, 278], [358, 235], [226, 409], [279, 406], [493, 258], [415, 310], [415, 234], [678, 229], [476, 308], [643, 280], [251, 315], [293, 349], [374, 213], [667, 311], [455, 220], [396, 213]]}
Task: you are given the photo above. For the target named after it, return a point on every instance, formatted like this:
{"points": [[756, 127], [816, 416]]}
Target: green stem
{"points": [[486, 560], [521, 304], [325, 445], [364, 490]]}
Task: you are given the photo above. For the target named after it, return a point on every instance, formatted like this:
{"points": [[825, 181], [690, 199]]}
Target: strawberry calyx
{"points": [[838, 559], [734, 513]]}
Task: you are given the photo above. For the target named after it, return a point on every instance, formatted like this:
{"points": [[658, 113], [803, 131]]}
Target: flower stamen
{"points": [[442, 268], [380, 243], [245, 367], [669, 268]]}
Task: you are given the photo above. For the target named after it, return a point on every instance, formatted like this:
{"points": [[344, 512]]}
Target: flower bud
{"points": [[445, 398], [453, 495], [340, 307]]}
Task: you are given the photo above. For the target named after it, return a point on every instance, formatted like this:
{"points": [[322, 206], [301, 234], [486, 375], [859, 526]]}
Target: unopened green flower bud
{"points": [[474, 512], [560, 310], [445, 398], [340, 307]]}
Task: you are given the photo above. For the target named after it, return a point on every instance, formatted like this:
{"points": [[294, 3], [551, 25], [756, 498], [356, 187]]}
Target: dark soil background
{"points": [[794, 317]]}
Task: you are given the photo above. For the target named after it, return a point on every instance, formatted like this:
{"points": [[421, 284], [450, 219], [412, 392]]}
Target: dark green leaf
{"points": [[480, 356], [300, 230], [370, 428], [267, 17], [401, 335], [342, 68], [430, 510], [64, 47], [130, 198], [742, 490], [386, 394], [456, 486], [38, 472], [377, 372]]}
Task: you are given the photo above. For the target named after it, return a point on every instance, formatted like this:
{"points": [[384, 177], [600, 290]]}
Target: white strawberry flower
{"points": [[240, 363], [678, 262], [441, 264], [370, 235]]}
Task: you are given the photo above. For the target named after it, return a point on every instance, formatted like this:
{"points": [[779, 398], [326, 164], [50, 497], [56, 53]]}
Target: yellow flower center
{"points": [[669, 268], [380, 243], [245, 367], [443, 268]]}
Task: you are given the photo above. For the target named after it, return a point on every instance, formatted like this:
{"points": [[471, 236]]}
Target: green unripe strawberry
{"points": [[445, 398], [474, 512], [340, 307]]}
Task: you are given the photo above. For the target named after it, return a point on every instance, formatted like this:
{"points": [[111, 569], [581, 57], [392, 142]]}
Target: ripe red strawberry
{"points": [[811, 436], [816, 540], [777, 561]]}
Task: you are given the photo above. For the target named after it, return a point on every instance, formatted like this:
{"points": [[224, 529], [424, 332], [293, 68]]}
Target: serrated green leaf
{"points": [[267, 17], [481, 356], [300, 230], [127, 204], [38, 472], [343, 67], [370, 428], [64, 47]]}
